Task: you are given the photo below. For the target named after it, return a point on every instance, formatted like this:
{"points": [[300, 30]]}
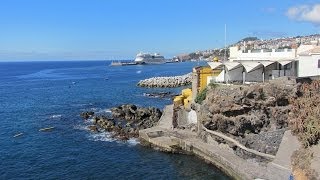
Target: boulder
{"points": [[87, 114], [93, 128]]}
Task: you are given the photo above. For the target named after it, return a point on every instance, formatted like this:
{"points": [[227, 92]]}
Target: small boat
{"points": [[46, 129], [17, 135]]}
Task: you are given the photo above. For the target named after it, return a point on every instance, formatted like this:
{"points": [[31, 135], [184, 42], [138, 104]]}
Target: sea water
{"points": [[35, 95]]}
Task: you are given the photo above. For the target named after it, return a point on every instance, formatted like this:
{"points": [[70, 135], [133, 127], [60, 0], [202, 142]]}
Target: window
{"points": [[318, 63]]}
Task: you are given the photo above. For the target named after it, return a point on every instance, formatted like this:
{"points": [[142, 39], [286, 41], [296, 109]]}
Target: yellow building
{"points": [[199, 82], [201, 75], [184, 99], [200, 78]]}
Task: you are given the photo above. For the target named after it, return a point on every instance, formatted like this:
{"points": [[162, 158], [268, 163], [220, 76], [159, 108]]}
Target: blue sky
{"points": [[118, 29]]}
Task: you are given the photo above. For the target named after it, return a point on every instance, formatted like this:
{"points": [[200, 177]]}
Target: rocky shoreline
{"points": [[125, 121], [166, 82]]}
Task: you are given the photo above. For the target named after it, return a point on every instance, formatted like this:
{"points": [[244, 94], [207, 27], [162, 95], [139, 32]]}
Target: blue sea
{"points": [[35, 95]]}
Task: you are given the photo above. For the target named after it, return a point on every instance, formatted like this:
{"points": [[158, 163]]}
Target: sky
{"points": [[32, 30]]}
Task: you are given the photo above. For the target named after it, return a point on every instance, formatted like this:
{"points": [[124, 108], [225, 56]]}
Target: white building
{"points": [[309, 63], [266, 64]]}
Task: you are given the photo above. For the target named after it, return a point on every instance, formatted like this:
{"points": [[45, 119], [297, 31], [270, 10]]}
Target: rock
{"points": [[126, 121], [87, 114], [95, 120], [93, 128], [255, 115]]}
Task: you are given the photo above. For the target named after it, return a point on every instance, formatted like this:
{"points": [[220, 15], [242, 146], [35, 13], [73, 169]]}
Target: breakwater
{"points": [[166, 82]]}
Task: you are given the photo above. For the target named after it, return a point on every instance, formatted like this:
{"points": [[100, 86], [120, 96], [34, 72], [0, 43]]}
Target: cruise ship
{"points": [[146, 58]]}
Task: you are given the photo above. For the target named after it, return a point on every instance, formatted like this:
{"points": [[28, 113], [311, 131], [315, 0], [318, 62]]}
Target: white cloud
{"points": [[307, 13]]}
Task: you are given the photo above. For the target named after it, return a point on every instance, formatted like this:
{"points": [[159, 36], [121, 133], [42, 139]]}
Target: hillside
{"points": [[258, 115], [253, 43]]}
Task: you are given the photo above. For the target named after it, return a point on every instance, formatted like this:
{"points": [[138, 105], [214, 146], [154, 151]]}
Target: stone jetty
{"points": [[166, 82]]}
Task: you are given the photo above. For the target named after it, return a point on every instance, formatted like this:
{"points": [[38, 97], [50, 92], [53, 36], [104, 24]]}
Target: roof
{"points": [[266, 63], [315, 50], [284, 62], [247, 65], [250, 66], [214, 65], [231, 65]]}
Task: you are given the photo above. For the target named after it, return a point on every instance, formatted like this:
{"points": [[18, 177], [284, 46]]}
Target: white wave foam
{"points": [[55, 116], [138, 72], [89, 120], [80, 127], [107, 110], [94, 109], [99, 110], [103, 136], [133, 141]]}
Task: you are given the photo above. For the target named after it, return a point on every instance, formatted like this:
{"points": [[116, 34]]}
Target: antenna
{"points": [[225, 42]]}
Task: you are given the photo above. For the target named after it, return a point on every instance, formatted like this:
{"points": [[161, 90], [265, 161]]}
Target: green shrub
{"points": [[201, 96], [213, 85]]}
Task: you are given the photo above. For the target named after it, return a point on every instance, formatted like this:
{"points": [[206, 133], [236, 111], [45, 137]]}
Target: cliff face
{"points": [[255, 115]]}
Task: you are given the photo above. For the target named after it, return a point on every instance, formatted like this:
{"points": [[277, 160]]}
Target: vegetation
{"points": [[248, 39], [305, 116], [285, 47], [301, 160], [201, 96], [213, 85]]}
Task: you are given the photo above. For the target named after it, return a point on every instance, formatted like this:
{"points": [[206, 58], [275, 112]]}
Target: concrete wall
{"points": [[254, 76], [220, 77], [268, 71], [235, 75], [274, 54], [234, 52], [308, 66], [186, 117], [194, 85], [192, 117]]}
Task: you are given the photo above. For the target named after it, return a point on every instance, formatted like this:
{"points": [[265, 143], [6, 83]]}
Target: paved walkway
{"points": [[315, 162], [166, 118], [164, 136]]}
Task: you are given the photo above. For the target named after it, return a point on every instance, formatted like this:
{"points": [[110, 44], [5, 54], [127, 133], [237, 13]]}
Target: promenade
{"points": [[165, 138]]}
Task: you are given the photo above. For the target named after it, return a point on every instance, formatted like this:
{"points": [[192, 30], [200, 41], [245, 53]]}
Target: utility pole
{"points": [[225, 42]]}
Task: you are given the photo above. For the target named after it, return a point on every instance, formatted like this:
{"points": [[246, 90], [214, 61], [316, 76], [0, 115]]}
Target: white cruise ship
{"points": [[146, 58]]}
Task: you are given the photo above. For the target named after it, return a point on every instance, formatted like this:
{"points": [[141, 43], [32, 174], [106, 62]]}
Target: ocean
{"points": [[35, 95]]}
